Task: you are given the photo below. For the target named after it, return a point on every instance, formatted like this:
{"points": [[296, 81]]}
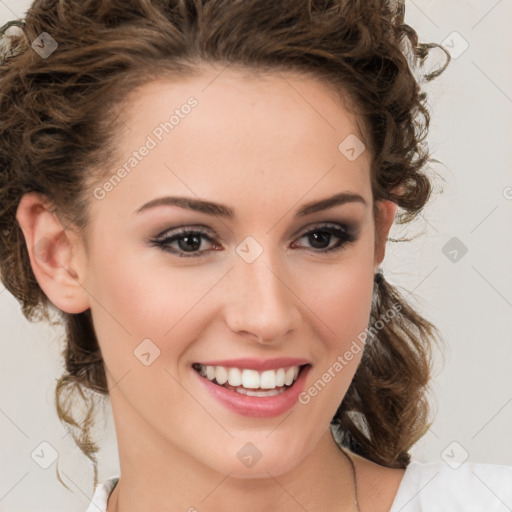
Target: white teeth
{"points": [[234, 377], [250, 379], [268, 379], [210, 372], [251, 392], [221, 375], [280, 376], [288, 379]]}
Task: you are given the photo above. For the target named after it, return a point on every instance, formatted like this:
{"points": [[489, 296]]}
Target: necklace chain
{"points": [[354, 478]]}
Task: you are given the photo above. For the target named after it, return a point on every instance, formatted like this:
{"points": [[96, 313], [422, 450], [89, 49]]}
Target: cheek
{"points": [[122, 304], [137, 300], [346, 310], [137, 295], [340, 295], [342, 300], [141, 326], [349, 309]]}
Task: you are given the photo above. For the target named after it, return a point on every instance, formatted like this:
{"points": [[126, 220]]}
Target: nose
{"points": [[261, 303]]}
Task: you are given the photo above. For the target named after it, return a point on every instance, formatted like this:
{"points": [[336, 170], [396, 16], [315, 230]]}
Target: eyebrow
{"points": [[220, 210]]}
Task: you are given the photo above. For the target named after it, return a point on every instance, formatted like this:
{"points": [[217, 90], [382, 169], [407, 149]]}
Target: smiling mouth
{"points": [[251, 382]]}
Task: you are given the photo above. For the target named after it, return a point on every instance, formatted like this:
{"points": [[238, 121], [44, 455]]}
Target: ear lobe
{"points": [[386, 215], [52, 250]]}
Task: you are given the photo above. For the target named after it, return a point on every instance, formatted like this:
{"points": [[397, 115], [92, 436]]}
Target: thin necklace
{"points": [[354, 479]]}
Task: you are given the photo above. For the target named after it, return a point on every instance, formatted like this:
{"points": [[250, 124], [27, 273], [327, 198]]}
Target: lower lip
{"points": [[257, 406]]}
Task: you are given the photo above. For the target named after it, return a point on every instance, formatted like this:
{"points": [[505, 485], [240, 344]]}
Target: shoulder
{"points": [[101, 495], [436, 487]]}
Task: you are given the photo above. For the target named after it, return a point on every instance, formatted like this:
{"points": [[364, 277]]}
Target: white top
{"points": [[425, 487]]}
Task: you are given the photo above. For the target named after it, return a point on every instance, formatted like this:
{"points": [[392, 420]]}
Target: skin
{"points": [[264, 146]]}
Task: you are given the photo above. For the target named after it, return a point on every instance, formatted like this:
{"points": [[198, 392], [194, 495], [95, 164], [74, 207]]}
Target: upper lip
{"points": [[257, 364]]}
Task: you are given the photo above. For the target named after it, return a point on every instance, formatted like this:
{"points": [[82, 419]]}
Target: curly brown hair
{"points": [[60, 118]]}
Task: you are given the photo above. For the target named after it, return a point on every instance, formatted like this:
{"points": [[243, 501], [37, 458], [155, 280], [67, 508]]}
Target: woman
{"points": [[203, 191]]}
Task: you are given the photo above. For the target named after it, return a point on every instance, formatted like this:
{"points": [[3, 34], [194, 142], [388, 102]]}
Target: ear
{"points": [[56, 253], [386, 215]]}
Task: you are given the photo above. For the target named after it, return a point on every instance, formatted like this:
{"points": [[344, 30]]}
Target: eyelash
{"points": [[344, 232]]}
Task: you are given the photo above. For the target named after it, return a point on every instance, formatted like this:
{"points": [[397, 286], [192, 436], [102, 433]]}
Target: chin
{"points": [[259, 459]]}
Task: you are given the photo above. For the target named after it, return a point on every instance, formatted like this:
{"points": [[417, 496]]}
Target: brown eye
{"points": [[187, 242], [321, 236]]}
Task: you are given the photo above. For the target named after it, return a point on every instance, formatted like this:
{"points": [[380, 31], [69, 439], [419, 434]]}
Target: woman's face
{"points": [[254, 284]]}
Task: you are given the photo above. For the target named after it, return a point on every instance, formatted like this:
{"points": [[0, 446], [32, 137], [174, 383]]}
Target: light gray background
{"points": [[470, 300]]}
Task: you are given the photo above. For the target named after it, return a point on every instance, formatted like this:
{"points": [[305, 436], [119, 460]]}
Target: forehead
{"points": [[224, 132], [229, 95]]}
